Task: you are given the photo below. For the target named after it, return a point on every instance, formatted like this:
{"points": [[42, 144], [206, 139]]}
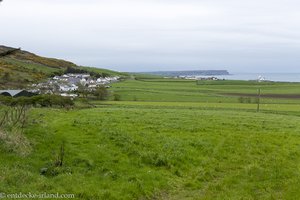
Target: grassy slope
{"points": [[107, 71], [25, 68], [169, 153], [182, 149]]}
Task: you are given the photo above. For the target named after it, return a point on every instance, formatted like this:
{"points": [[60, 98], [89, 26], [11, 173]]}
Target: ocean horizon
{"points": [[278, 77]]}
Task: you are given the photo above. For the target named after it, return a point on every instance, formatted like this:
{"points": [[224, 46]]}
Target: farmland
{"points": [[165, 139], [179, 90]]}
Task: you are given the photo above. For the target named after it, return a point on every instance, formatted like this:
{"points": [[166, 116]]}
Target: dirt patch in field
{"points": [[282, 96]]}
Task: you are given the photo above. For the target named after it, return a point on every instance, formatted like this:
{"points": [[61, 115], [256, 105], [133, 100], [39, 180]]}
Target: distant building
{"points": [[70, 82], [68, 95], [68, 88], [16, 93], [208, 78], [261, 79]]}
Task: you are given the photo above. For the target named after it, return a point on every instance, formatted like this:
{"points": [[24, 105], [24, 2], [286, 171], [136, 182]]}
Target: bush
{"points": [[117, 97], [244, 100], [241, 99], [39, 100], [101, 93]]}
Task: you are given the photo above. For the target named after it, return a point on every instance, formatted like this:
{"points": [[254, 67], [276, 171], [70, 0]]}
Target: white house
{"points": [[67, 88]]}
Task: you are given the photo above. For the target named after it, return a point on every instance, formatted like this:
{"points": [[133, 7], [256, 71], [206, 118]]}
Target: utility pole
{"points": [[258, 100]]}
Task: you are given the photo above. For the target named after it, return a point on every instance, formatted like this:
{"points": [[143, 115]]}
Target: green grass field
{"points": [[165, 139], [175, 90]]}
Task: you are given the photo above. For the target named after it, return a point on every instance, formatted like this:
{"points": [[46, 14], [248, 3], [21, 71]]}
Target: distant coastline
{"points": [[276, 77], [189, 73], [224, 74]]}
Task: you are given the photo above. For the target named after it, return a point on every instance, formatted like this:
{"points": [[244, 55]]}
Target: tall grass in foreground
{"points": [[166, 153]]}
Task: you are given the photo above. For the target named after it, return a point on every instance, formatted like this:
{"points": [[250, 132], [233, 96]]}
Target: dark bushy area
{"points": [[101, 93], [39, 100], [74, 70]]}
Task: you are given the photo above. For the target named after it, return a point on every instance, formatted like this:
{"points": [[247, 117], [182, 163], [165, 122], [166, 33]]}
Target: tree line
{"points": [[37, 101], [73, 70]]}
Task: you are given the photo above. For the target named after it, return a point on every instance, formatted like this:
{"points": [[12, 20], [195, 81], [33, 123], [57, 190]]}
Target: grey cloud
{"points": [[158, 34]]}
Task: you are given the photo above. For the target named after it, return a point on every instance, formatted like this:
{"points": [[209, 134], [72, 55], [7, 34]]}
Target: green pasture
{"points": [[166, 139], [178, 90]]}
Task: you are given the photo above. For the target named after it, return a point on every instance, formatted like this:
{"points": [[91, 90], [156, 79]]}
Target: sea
{"points": [[279, 77]]}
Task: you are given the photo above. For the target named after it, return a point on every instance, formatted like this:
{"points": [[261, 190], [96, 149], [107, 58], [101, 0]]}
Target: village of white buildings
{"points": [[68, 84]]}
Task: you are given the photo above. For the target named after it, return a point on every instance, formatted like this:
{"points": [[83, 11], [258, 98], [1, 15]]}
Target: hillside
{"points": [[19, 68]]}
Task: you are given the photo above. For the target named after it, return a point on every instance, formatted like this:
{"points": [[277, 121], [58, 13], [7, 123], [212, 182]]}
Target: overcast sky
{"points": [[147, 35]]}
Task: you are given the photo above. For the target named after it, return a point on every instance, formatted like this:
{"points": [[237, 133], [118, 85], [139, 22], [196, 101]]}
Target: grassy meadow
{"points": [[165, 139], [180, 90]]}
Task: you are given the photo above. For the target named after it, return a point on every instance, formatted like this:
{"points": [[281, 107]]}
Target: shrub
{"points": [[244, 100], [101, 93], [41, 100], [117, 97], [241, 99]]}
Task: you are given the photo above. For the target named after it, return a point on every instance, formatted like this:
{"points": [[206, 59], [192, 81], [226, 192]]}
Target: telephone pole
{"points": [[258, 100]]}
